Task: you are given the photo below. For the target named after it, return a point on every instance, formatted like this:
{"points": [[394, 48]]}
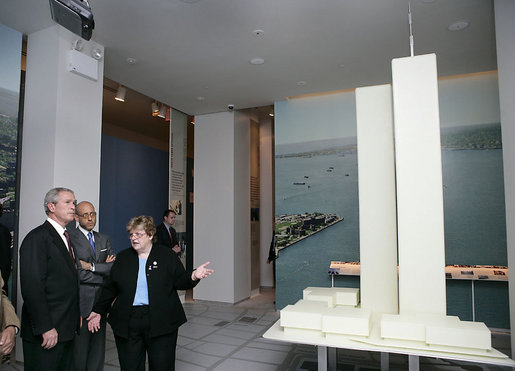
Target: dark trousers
{"points": [[89, 349], [132, 351], [59, 358]]}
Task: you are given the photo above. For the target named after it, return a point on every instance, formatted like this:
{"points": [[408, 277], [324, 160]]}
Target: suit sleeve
{"points": [[103, 269], [182, 277], [33, 277], [174, 238], [10, 318], [109, 293]]}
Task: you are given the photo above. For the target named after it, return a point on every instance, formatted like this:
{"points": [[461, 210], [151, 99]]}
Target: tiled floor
{"points": [[225, 337]]}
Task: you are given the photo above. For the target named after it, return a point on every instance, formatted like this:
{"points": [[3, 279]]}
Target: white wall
{"points": [[266, 207], [61, 129], [221, 205], [505, 34], [62, 126]]}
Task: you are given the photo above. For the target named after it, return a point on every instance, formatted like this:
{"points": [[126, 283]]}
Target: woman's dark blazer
{"points": [[165, 275]]}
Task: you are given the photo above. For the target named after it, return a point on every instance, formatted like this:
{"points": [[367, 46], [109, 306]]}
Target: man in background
{"points": [[50, 288], [5, 253], [165, 233], [95, 255]]}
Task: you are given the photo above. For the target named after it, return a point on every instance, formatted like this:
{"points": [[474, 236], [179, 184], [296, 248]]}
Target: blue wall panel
{"points": [[133, 181]]}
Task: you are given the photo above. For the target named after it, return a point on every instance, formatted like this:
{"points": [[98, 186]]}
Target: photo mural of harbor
{"points": [[10, 68], [317, 211]]}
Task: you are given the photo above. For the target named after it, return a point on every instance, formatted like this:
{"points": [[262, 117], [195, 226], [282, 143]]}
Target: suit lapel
{"points": [[98, 245], [85, 243]]}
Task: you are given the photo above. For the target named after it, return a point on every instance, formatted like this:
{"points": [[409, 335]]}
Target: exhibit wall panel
{"points": [[266, 206], [10, 74], [377, 200], [473, 189], [504, 30], [124, 195], [316, 176], [177, 169], [419, 186]]}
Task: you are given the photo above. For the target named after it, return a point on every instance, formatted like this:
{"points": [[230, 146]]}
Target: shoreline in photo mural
{"points": [[317, 184]]}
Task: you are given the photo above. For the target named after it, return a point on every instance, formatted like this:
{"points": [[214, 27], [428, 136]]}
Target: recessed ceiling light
{"points": [[341, 65], [301, 83], [131, 60], [257, 61], [258, 32], [458, 25], [200, 98]]}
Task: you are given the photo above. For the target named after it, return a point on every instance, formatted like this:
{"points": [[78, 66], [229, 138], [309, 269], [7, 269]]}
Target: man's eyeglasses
{"points": [[86, 215], [136, 235]]}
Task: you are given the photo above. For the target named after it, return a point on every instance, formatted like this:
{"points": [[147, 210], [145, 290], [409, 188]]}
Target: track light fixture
{"points": [[155, 108], [120, 93], [162, 111]]}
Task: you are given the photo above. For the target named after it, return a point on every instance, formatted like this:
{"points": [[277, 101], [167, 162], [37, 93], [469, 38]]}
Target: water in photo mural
{"points": [[317, 211]]}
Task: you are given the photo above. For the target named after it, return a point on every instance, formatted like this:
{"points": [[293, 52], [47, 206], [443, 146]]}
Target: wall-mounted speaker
{"points": [[75, 15]]}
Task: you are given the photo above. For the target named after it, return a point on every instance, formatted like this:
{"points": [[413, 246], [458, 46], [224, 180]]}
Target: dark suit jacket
{"points": [[163, 237], [49, 286], [165, 275], [91, 282]]}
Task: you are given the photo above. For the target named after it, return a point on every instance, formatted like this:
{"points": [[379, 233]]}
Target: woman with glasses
{"points": [[146, 313]]}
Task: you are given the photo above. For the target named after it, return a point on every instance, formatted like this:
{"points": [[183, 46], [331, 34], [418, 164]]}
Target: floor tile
{"points": [[215, 349], [238, 364], [269, 356], [195, 331], [223, 339], [196, 358]]}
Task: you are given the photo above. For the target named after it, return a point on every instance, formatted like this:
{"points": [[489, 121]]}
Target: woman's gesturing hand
{"points": [[201, 272]]}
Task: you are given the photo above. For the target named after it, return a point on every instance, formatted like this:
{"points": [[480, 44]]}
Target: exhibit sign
{"points": [[177, 170]]}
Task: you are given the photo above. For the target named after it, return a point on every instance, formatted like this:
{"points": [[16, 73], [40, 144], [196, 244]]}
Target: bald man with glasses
{"points": [[96, 256]]}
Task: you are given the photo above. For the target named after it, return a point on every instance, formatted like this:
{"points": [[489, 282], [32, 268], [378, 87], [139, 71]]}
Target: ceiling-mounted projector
{"points": [[75, 15]]}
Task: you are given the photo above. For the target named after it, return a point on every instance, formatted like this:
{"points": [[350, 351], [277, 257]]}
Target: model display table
{"points": [[327, 350]]}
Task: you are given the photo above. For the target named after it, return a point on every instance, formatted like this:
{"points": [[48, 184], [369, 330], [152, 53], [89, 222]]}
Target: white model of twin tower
{"points": [[400, 215]]}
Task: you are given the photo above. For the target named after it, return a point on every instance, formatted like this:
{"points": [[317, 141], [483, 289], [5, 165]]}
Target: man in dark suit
{"points": [[165, 233], [50, 288], [96, 256]]}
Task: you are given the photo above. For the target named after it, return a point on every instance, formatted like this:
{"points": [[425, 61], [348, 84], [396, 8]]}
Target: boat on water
{"points": [[299, 183]]}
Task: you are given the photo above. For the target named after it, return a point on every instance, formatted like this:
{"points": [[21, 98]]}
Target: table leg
{"points": [[385, 361], [322, 358], [414, 364]]}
